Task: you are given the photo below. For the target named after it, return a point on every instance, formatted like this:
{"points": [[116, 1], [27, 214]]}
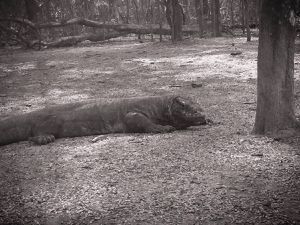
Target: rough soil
{"points": [[215, 174]]}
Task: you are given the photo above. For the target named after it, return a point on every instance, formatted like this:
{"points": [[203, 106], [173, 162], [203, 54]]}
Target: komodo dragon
{"points": [[155, 114]]}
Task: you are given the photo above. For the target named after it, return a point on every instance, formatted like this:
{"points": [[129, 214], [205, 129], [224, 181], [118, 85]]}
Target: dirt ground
{"points": [[214, 174]]}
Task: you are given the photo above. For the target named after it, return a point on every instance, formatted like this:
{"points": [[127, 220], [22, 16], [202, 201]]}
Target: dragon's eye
{"points": [[180, 101]]}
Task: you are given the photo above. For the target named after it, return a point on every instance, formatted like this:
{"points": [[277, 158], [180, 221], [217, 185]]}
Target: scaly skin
{"points": [[154, 114]]}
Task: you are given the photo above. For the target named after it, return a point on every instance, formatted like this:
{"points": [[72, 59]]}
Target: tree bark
{"points": [[212, 15], [257, 3], [32, 10], [242, 13], [231, 13], [205, 8], [275, 69], [113, 11], [246, 13], [160, 17], [215, 7], [127, 11], [218, 19], [175, 17], [199, 12], [187, 17], [137, 16]]}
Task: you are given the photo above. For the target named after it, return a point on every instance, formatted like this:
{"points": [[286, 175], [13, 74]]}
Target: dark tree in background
{"points": [[175, 17], [199, 13], [242, 16], [231, 10], [246, 18], [32, 9], [113, 12], [275, 83], [216, 17]]}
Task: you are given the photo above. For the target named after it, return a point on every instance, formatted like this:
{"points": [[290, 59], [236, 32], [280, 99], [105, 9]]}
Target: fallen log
{"points": [[129, 28], [116, 30], [73, 40], [20, 21]]}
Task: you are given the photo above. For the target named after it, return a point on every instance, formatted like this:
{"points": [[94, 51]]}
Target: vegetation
{"points": [[55, 23]]}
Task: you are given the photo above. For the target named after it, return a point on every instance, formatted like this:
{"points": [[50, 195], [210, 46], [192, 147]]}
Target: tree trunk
{"points": [[231, 13], [32, 9], [246, 13], [175, 16], [256, 12], [187, 17], [212, 15], [242, 12], [127, 11], [205, 7], [113, 11], [199, 12], [215, 8], [218, 18], [160, 18], [137, 15], [275, 70]]}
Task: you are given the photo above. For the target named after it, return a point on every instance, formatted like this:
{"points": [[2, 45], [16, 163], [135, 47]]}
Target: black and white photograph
{"points": [[149, 112]]}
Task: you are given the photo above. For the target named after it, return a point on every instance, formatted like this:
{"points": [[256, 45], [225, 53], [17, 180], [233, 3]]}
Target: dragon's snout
{"points": [[196, 118]]}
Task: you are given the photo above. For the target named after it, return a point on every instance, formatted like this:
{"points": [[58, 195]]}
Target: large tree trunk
{"points": [[275, 83]]}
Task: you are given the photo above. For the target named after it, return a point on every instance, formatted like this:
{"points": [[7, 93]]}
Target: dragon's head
{"points": [[185, 113]]}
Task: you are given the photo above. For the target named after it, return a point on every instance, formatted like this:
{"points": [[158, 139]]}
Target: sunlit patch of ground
{"points": [[216, 174]]}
